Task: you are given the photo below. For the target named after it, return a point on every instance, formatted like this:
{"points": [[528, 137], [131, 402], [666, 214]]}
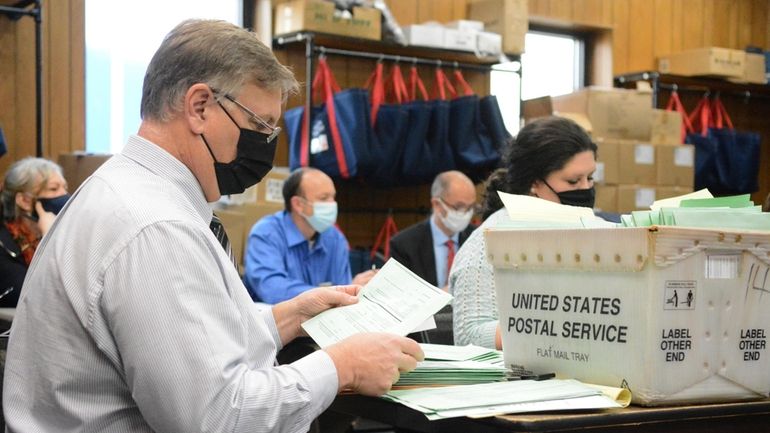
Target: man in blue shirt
{"points": [[299, 248]]}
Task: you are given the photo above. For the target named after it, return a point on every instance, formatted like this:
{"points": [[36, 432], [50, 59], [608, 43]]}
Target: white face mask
{"points": [[324, 215], [455, 221]]}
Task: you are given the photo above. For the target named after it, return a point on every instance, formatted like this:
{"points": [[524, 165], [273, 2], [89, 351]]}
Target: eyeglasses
{"points": [[273, 130], [460, 207]]}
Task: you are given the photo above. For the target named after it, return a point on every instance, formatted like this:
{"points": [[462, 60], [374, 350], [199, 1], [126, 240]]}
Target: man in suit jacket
{"points": [[423, 247], [428, 247]]}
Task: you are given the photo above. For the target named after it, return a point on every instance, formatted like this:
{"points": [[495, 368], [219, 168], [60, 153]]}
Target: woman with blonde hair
{"points": [[33, 192]]}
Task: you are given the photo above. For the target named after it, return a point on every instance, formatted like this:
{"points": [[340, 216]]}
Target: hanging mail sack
{"points": [[339, 128]]}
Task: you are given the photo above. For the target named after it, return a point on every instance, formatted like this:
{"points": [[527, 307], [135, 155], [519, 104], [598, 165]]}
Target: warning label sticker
{"points": [[679, 295]]}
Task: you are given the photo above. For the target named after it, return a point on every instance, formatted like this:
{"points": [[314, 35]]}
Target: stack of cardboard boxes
{"points": [[734, 65], [640, 158]]}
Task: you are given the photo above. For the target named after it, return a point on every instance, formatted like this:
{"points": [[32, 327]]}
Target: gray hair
{"points": [[213, 52], [28, 175], [442, 182]]}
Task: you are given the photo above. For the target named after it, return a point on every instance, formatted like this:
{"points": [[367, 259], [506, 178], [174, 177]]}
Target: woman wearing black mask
{"points": [[551, 158], [33, 192]]}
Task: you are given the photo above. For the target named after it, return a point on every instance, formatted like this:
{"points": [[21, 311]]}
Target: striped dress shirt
{"points": [[133, 319]]}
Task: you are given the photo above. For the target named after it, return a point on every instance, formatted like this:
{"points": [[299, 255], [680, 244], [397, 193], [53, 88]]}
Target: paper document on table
{"points": [[508, 397], [395, 300]]}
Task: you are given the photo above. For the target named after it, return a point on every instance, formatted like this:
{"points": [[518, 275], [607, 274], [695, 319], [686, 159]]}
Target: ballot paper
{"points": [[431, 373], [395, 300], [528, 208], [733, 212], [674, 201], [499, 398], [470, 352]]}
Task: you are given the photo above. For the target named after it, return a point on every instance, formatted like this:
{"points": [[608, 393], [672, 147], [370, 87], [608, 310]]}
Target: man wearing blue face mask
{"points": [[299, 248]]}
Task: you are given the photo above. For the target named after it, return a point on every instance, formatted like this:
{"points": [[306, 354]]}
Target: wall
{"points": [[641, 30], [645, 29], [63, 34]]}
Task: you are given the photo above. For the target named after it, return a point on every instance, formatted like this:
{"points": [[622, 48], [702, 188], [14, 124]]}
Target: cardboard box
{"points": [[508, 18], [754, 71], [675, 164], [460, 40], [78, 166], [614, 113], [268, 190], [607, 162], [543, 107], [233, 222], [666, 127], [489, 44], [635, 197], [424, 35], [662, 192], [466, 25], [636, 163], [606, 198], [710, 61], [321, 16], [238, 221], [675, 315]]}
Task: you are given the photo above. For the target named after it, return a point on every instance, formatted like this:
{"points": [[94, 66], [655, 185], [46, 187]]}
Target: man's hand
{"points": [[289, 315], [370, 363], [364, 277], [45, 218]]}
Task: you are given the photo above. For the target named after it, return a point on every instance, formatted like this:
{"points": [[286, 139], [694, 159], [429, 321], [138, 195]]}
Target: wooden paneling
{"points": [[662, 30], [63, 37], [641, 31], [620, 35]]}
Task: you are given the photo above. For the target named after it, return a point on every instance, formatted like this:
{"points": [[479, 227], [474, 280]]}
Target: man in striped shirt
{"points": [[133, 317]]}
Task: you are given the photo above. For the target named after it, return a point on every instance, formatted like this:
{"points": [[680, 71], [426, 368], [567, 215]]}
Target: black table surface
{"points": [[751, 416]]}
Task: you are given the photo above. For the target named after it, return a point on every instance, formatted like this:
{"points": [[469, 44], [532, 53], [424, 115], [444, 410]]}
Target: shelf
{"points": [[375, 48], [693, 84]]}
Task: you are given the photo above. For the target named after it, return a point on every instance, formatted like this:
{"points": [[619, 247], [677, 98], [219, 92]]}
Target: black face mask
{"points": [[53, 205], [576, 197], [254, 159]]}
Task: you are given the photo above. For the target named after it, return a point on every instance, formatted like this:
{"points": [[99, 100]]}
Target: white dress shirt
{"points": [[133, 319]]}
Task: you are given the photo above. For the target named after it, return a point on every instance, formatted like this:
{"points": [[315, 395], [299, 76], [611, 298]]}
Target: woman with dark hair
{"points": [[551, 158], [32, 193]]}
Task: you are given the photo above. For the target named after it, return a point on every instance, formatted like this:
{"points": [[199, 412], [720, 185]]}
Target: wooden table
{"points": [[724, 417]]}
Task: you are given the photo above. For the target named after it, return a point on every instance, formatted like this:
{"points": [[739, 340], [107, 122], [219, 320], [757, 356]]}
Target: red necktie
{"points": [[450, 256]]}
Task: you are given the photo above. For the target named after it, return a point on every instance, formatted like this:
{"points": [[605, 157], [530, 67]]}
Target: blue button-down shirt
{"points": [[440, 251], [280, 264]]}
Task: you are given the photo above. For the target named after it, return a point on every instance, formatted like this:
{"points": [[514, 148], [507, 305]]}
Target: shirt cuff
{"points": [[267, 316], [487, 333], [320, 374]]}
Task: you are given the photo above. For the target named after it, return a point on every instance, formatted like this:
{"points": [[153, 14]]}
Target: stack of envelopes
{"points": [[455, 365]]}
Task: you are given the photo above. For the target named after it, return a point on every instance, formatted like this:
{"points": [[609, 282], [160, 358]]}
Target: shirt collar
{"points": [[162, 163], [293, 235], [439, 238]]}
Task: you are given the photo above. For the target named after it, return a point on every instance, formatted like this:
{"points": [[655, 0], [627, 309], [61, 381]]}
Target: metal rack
{"points": [[679, 83], [316, 44], [33, 8]]}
